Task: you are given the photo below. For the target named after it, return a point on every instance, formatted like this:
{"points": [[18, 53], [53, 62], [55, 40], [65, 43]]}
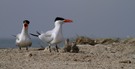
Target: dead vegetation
{"points": [[91, 41], [129, 41], [70, 47], [85, 40]]}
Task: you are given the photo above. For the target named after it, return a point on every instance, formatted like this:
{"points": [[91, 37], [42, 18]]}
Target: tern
{"points": [[23, 38], [55, 35]]}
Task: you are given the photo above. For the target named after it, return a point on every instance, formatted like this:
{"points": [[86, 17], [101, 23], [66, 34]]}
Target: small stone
{"points": [[30, 55], [89, 60], [122, 67], [75, 59], [125, 61]]}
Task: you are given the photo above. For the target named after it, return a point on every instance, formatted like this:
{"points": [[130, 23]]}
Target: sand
{"points": [[111, 56]]}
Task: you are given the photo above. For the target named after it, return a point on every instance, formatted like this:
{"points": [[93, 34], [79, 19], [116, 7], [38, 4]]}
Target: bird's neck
{"points": [[24, 31], [58, 27]]}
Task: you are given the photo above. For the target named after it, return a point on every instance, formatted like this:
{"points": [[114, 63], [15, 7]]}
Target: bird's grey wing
{"points": [[17, 39], [17, 36], [46, 36]]}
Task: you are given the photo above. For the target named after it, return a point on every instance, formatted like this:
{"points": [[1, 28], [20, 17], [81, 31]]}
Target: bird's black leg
{"points": [[49, 47], [19, 48], [26, 48], [57, 48]]}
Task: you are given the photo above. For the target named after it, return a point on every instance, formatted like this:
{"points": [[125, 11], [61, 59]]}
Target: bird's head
{"points": [[26, 23], [62, 20]]}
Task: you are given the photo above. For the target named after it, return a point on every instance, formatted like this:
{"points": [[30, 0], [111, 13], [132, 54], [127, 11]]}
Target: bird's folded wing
{"points": [[17, 36], [47, 36]]}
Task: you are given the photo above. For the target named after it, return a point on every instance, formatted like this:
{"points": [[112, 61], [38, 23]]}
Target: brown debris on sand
{"points": [[67, 47], [81, 40], [85, 40], [125, 61], [74, 48], [107, 40], [70, 46]]}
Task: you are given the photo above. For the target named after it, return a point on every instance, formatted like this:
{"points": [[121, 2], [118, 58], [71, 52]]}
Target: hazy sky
{"points": [[93, 18]]}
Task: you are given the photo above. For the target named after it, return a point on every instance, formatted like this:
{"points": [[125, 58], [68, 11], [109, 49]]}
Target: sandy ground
{"points": [[112, 56]]}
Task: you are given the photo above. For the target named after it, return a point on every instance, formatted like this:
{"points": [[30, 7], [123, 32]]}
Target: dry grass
{"points": [[91, 41]]}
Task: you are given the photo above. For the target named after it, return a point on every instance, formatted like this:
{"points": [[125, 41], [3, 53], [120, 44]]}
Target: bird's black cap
{"points": [[26, 21], [58, 18]]}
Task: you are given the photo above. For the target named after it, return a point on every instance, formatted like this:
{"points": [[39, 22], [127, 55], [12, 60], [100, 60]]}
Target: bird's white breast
{"points": [[23, 40], [57, 38]]}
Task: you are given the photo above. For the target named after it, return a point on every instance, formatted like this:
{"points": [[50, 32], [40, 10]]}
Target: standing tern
{"points": [[23, 38], [55, 35]]}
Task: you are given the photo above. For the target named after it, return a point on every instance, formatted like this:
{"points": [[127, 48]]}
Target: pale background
{"points": [[92, 18]]}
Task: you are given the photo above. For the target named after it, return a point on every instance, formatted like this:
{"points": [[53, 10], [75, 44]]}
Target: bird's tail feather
{"points": [[14, 35], [34, 35], [38, 33]]}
